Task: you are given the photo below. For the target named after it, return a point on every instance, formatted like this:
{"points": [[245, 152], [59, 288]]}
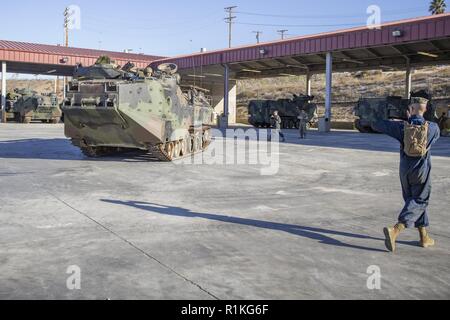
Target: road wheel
{"points": [[176, 149], [206, 139], [199, 142], [170, 150], [196, 143], [183, 148], [91, 152], [189, 144]]}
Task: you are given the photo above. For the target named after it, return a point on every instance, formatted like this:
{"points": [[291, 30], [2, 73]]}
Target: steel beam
{"points": [[308, 83], [226, 96], [408, 81], [64, 87], [329, 83], [3, 97]]}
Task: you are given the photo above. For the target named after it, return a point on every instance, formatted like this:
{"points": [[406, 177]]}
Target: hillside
{"points": [[40, 86], [347, 88]]}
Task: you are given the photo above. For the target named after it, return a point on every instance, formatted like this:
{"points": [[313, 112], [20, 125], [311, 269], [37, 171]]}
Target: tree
{"points": [[437, 6]]}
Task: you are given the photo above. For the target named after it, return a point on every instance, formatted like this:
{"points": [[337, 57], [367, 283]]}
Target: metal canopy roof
{"points": [[58, 60], [420, 42]]}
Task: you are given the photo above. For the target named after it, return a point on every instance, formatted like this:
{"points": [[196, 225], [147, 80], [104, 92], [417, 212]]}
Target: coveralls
{"points": [[303, 124], [277, 126], [415, 173]]}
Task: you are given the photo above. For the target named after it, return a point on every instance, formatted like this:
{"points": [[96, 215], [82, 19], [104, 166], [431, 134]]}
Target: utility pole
{"points": [[229, 20], [66, 26], [258, 33], [282, 32], [66, 42]]}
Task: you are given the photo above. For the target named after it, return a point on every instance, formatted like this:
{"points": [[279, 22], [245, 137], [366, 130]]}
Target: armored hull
{"points": [[443, 113], [260, 111], [25, 106], [105, 116], [369, 110]]}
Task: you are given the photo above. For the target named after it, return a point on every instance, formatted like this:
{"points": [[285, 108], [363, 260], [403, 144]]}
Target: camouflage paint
{"points": [[138, 113], [25, 105]]}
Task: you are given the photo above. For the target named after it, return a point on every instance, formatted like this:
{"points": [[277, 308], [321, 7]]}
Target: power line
{"points": [[230, 20], [311, 16], [300, 25], [148, 24]]}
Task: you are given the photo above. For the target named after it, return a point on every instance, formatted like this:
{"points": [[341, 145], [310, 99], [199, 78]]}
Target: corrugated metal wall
{"points": [[46, 54]]}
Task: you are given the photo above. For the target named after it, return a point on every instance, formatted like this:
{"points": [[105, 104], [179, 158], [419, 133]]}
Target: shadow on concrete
{"points": [[360, 141], [321, 235], [61, 149]]}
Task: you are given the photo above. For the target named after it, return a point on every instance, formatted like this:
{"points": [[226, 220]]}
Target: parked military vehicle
{"points": [[11, 98], [25, 105], [109, 109], [369, 110], [260, 111], [443, 112]]}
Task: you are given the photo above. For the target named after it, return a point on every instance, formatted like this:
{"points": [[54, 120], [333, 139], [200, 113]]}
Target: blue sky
{"points": [[176, 27]]}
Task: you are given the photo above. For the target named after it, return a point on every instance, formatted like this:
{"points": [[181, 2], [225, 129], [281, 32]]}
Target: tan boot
{"points": [[392, 234], [425, 239]]}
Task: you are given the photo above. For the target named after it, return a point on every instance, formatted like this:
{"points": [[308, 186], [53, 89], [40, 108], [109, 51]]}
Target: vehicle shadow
{"points": [[319, 234]]}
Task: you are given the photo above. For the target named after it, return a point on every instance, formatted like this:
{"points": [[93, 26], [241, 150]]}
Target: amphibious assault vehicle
{"points": [[112, 109], [443, 113], [260, 111], [369, 110], [25, 105]]}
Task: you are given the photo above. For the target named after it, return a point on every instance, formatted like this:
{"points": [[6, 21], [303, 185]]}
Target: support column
{"points": [[56, 84], [64, 87], [226, 97], [325, 122], [408, 81], [329, 84], [3, 97], [308, 83]]}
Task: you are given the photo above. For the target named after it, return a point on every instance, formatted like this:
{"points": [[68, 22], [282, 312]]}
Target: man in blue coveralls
{"points": [[416, 137]]}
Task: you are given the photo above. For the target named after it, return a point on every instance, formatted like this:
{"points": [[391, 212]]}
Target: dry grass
{"points": [[347, 88], [40, 86]]}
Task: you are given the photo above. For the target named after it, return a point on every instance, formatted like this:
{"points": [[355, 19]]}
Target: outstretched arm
{"points": [[389, 127], [434, 132]]}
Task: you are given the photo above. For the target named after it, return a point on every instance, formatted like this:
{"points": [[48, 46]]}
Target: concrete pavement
{"points": [[147, 230]]}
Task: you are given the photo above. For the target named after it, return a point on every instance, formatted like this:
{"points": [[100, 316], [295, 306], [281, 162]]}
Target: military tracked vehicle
{"points": [[25, 105], [260, 111], [110, 109], [369, 110], [443, 113]]}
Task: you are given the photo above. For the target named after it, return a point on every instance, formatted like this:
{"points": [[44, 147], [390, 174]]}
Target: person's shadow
{"points": [[321, 235]]}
